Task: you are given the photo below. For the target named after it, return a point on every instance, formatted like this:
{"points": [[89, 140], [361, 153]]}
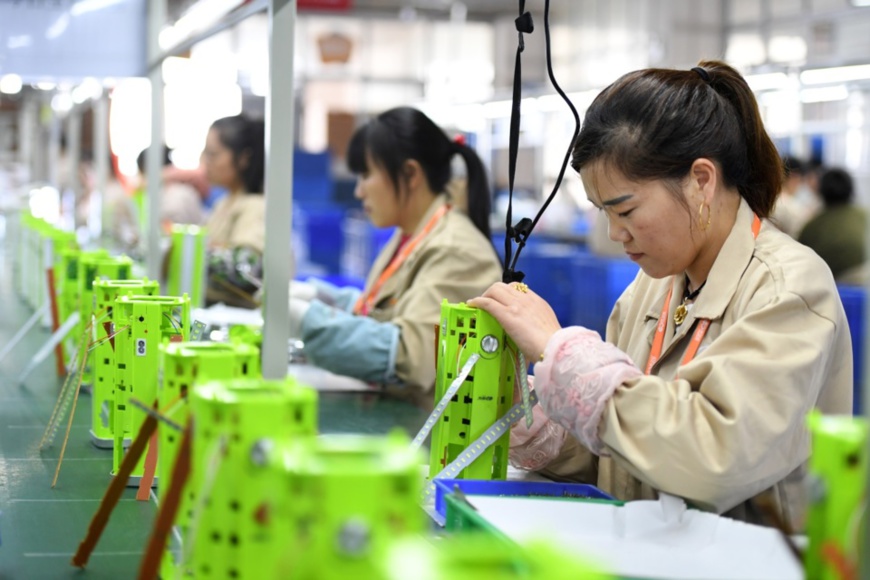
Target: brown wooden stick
{"points": [[168, 509], [144, 491], [55, 322], [113, 493]]}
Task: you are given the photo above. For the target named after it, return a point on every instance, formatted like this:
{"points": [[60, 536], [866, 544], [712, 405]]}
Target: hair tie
{"points": [[705, 76]]}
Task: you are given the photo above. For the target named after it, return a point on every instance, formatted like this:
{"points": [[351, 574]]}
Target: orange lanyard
{"points": [[366, 301], [703, 324]]}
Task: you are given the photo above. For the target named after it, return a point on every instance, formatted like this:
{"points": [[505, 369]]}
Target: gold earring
{"points": [[701, 216]]}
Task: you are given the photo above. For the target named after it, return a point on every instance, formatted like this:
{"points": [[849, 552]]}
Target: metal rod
{"points": [[154, 157], [227, 21], [31, 322], [153, 413]]}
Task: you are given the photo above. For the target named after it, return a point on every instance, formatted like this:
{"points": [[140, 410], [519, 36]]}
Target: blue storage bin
{"points": [[324, 236], [312, 179], [853, 298], [547, 267], [471, 487], [361, 244], [598, 283]]}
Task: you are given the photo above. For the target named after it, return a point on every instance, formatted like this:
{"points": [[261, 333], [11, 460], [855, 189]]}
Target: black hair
{"points": [[245, 137], [142, 159], [404, 133], [836, 187], [654, 123], [793, 165]]}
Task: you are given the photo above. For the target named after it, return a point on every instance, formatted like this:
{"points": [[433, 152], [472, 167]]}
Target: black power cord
{"points": [[520, 232]]}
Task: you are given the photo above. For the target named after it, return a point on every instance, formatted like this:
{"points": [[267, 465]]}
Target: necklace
{"points": [[682, 310]]}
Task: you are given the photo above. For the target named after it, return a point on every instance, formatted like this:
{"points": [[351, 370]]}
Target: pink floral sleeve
{"points": [[533, 448], [578, 375]]}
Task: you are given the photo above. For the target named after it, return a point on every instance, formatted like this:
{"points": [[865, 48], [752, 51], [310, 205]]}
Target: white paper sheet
{"points": [[647, 539]]}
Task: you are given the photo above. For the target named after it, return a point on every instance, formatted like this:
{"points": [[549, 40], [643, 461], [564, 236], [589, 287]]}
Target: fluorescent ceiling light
{"points": [[767, 81], [823, 94], [85, 6], [839, 74], [10, 84]]}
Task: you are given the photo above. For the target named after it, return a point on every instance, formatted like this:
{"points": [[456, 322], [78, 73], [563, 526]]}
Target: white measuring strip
{"points": [[481, 444], [445, 400]]}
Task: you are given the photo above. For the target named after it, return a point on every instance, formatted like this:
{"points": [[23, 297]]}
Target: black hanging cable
{"points": [[524, 227], [524, 25]]}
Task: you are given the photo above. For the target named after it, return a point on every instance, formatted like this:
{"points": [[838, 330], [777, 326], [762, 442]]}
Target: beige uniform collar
{"points": [[386, 255], [436, 203], [721, 284]]}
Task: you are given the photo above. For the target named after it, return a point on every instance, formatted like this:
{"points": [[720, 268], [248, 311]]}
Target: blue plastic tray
{"points": [[472, 487]]}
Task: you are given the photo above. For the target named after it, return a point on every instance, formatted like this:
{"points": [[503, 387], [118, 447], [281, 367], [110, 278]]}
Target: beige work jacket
{"points": [[454, 261], [730, 424], [238, 220]]}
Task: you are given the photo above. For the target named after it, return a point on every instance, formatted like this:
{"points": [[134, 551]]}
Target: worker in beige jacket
{"points": [[234, 158], [386, 334], [728, 337]]}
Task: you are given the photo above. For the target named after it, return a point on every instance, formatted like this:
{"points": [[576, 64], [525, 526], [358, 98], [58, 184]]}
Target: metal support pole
{"points": [[26, 133], [101, 166], [55, 130], [154, 159], [279, 188], [70, 188]]}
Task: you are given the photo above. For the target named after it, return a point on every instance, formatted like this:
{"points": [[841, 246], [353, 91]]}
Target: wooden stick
{"points": [[168, 510], [55, 322], [113, 493]]}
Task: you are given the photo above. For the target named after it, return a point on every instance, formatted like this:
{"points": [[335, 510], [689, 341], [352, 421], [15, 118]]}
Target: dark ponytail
{"points": [[654, 123], [404, 133], [479, 199], [762, 181]]}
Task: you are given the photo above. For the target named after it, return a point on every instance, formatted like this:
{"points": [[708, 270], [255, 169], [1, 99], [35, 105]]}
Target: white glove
{"points": [[302, 291], [298, 308]]}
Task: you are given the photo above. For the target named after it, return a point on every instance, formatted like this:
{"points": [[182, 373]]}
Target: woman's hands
{"points": [[525, 316]]}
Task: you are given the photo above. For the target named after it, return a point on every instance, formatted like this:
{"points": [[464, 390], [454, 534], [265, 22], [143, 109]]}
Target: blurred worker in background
{"points": [[180, 201], [838, 233], [234, 159], [796, 203]]}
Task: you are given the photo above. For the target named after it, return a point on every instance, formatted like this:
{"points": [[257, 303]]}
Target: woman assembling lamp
{"points": [[728, 337], [386, 334]]}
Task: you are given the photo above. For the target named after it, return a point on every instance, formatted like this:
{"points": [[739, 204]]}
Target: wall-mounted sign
{"points": [[334, 47]]}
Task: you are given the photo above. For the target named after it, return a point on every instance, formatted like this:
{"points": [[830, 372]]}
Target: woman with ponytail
{"points": [[730, 334], [386, 334]]}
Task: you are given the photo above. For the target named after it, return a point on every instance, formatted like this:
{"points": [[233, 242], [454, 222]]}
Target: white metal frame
{"points": [[279, 144]]}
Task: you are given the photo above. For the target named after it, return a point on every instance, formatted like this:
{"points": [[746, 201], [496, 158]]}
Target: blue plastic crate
{"points": [[597, 283], [853, 298], [361, 245], [471, 487], [547, 267], [324, 236]]}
